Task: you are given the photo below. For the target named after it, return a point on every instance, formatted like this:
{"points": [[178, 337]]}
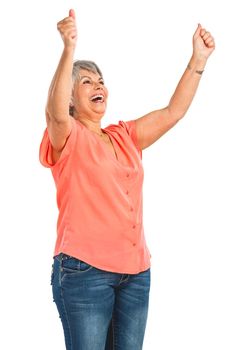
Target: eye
{"points": [[102, 82], [87, 81]]}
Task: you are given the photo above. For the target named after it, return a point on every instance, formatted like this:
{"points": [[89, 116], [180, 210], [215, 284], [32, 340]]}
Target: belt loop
{"points": [[60, 257]]}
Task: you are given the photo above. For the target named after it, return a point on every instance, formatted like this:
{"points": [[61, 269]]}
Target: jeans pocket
{"points": [[73, 265]]}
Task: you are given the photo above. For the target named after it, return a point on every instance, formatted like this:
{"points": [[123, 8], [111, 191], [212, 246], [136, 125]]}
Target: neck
{"points": [[93, 125]]}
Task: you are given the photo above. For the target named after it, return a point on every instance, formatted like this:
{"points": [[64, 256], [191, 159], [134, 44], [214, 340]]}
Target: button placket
{"points": [[131, 209]]}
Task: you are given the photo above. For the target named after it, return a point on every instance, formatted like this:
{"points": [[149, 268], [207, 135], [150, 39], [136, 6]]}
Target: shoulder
{"points": [[126, 130], [122, 126], [48, 155]]}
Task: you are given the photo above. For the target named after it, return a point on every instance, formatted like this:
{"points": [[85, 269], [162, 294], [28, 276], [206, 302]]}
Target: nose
{"points": [[98, 85]]}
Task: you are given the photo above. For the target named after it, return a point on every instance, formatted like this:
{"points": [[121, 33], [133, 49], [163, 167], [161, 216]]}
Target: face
{"points": [[90, 95]]}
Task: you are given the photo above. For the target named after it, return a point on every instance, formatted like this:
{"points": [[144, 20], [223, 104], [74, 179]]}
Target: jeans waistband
{"points": [[61, 256]]}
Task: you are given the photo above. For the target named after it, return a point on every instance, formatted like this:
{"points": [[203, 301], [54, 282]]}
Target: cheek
{"points": [[80, 96], [79, 103], [106, 92]]}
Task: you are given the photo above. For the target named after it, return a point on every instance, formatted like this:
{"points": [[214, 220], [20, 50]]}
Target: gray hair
{"points": [[83, 64]]}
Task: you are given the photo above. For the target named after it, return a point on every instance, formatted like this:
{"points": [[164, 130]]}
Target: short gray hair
{"points": [[83, 64], [87, 65]]}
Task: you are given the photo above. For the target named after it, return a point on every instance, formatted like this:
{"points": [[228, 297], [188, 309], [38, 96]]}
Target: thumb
{"points": [[72, 13], [197, 32]]}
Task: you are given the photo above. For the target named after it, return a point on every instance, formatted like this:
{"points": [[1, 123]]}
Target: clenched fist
{"points": [[68, 30], [203, 43]]}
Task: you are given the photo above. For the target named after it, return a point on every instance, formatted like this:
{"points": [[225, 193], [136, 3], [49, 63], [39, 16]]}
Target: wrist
{"points": [[69, 50], [198, 62]]}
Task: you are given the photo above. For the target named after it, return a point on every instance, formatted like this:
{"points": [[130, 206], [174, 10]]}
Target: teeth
{"points": [[100, 97]]}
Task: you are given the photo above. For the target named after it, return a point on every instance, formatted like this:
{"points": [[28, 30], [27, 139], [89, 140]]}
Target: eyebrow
{"points": [[85, 76]]}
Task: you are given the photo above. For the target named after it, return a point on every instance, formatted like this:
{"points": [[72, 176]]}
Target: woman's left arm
{"points": [[152, 126]]}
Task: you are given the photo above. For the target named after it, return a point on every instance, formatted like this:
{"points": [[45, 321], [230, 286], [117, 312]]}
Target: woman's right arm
{"points": [[59, 95]]}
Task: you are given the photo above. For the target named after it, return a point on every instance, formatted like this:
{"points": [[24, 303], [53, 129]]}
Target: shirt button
{"points": [[133, 226], [134, 244], [127, 192], [131, 208], [127, 175]]}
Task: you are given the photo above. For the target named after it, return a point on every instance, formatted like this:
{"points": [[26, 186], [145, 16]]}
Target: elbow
{"points": [[175, 114], [48, 115]]}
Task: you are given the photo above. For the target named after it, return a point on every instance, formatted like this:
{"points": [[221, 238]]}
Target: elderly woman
{"points": [[101, 264]]}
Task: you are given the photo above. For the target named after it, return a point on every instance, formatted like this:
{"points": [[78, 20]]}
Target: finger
{"points": [[66, 32], [72, 13], [206, 36], [65, 24], [66, 19], [71, 30], [197, 32], [208, 40], [202, 32], [211, 44]]}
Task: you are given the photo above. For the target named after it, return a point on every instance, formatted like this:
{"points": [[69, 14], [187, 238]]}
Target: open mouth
{"points": [[97, 98]]}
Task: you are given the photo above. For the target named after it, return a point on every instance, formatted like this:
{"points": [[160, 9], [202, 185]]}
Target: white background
{"points": [[142, 48]]}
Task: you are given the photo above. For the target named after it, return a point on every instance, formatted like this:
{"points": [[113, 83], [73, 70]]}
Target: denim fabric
{"points": [[100, 310]]}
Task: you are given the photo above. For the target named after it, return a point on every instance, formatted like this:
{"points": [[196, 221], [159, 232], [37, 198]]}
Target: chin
{"points": [[100, 110]]}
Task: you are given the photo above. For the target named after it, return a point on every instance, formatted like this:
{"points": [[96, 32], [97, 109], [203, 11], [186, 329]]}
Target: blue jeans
{"points": [[100, 310]]}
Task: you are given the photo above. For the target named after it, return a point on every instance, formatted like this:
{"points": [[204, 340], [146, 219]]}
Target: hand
{"points": [[203, 43], [68, 30]]}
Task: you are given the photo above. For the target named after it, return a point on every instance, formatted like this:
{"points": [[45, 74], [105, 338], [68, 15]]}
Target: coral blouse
{"points": [[99, 198]]}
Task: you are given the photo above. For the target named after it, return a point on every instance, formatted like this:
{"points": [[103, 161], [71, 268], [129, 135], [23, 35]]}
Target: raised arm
{"points": [[59, 95], [152, 126]]}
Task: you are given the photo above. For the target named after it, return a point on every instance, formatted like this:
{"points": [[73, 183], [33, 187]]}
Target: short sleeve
{"points": [[45, 151], [130, 127]]}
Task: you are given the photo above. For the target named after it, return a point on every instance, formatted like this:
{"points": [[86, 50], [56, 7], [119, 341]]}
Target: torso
{"points": [[108, 141], [105, 138]]}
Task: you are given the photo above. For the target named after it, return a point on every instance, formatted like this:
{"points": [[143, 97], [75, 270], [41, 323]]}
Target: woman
{"points": [[101, 268]]}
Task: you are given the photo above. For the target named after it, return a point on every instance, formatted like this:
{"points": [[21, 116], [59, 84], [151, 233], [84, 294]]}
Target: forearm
{"points": [[186, 88], [60, 90]]}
